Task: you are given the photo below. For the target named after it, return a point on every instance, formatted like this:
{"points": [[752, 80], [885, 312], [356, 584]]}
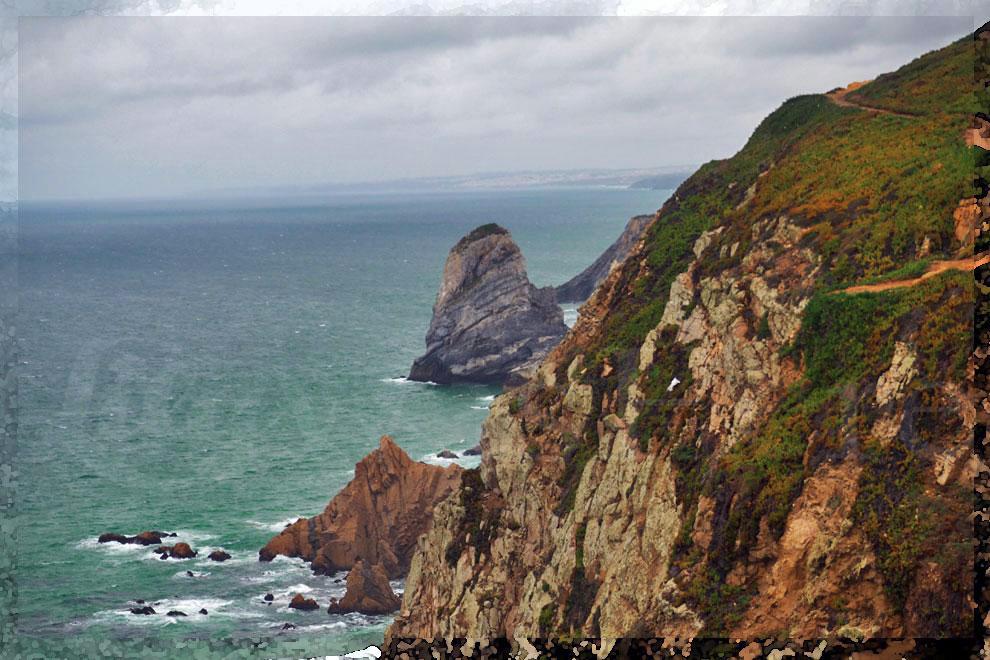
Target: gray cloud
{"points": [[133, 106]]}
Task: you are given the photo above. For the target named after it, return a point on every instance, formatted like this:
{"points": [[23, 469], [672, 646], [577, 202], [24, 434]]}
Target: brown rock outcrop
{"points": [[378, 516], [368, 592], [177, 551], [300, 602]]}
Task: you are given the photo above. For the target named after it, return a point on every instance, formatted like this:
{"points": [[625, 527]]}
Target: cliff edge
{"points": [[735, 440]]}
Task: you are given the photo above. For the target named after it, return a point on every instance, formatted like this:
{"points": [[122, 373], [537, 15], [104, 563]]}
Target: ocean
{"points": [[217, 369]]}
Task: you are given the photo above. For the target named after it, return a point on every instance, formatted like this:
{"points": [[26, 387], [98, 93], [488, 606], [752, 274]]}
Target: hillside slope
{"points": [[726, 444]]}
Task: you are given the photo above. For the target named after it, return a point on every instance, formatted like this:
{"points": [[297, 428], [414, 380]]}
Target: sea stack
{"points": [[580, 287], [490, 324]]}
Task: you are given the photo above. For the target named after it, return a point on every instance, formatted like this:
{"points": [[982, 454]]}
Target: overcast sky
{"points": [[140, 107]]}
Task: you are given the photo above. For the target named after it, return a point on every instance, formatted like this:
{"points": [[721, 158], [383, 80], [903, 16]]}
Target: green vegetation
{"points": [[479, 524], [659, 404], [940, 81], [722, 604], [763, 330], [867, 191], [478, 233], [576, 454], [579, 545], [515, 405], [908, 527], [547, 615]]}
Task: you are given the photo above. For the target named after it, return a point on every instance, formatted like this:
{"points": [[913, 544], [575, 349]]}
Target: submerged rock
{"points": [[446, 453], [219, 555], [378, 516], [473, 451], [146, 610], [490, 324], [144, 538], [268, 598], [110, 537], [300, 602], [175, 613], [579, 287], [368, 592]]}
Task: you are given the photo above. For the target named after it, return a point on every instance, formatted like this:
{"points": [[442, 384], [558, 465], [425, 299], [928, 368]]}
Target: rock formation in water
{"points": [[580, 287], [731, 441], [368, 592], [490, 324], [144, 538], [300, 602], [377, 516]]}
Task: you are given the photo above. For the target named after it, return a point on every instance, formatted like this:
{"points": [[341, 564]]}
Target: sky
{"points": [[114, 107]]}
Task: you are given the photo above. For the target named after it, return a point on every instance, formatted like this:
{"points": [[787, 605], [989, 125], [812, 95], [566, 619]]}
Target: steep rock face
{"points": [[579, 287], [377, 516], [490, 324], [368, 592], [727, 443]]}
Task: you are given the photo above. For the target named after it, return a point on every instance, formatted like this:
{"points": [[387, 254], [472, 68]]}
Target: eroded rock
{"points": [[300, 602], [490, 324], [377, 516], [368, 592]]}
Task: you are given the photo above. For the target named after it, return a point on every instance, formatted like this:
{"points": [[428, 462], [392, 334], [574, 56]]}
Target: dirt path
{"points": [[971, 263], [838, 97]]}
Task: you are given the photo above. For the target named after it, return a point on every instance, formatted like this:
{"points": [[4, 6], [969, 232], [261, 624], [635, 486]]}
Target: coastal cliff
{"points": [[377, 517], [761, 423], [490, 324], [580, 287]]}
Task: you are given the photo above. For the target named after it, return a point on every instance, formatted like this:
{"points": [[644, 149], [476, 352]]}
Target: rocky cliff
{"points": [[377, 517], [579, 287], [734, 441], [490, 324]]}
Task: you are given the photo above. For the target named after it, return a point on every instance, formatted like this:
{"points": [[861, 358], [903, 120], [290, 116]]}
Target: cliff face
{"points": [[729, 443], [376, 517], [579, 287], [490, 324]]}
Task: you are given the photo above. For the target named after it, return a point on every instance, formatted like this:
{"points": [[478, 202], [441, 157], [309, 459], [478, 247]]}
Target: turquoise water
{"points": [[216, 372]]}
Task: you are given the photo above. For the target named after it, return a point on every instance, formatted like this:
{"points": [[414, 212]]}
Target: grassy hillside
{"points": [[874, 194]]}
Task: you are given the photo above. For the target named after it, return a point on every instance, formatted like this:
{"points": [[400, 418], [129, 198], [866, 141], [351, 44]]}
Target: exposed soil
{"points": [[839, 98], [971, 263]]}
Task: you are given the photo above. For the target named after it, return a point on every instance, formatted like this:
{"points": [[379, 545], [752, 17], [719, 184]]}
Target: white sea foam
{"points": [[404, 380], [433, 459], [336, 625], [112, 547], [275, 526], [190, 606], [462, 460], [479, 407], [489, 398], [570, 316]]}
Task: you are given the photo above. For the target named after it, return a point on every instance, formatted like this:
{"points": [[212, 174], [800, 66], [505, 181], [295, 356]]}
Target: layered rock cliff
{"points": [[579, 287], [377, 517], [490, 324], [734, 441]]}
